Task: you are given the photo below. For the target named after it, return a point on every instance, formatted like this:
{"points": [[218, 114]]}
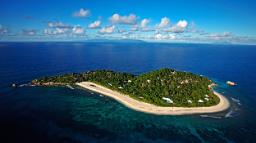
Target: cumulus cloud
{"points": [[159, 36], [165, 21], [78, 30], [182, 24], [142, 26], [82, 13], [180, 27], [60, 31], [144, 23], [55, 31], [118, 19], [95, 24], [29, 32], [59, 28], [59, 25], [175, 29], [107, 29]]}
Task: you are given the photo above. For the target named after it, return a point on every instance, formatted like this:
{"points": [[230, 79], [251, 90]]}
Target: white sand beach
{"points": [[153, 109]]}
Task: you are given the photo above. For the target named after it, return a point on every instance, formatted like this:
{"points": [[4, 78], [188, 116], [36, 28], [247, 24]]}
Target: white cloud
{"points": [[47, 31], [58, 28], [164, 22], [182, 24], [82, 13], [59, 25], [78, 30], [175, 29], [217, 36], [180, 27], [107, 29], [51, 24], [159, 36], [95, 24], [29, 32], [172, 36], [60, 31], [144, 23], [118, 19], [56, 31]]}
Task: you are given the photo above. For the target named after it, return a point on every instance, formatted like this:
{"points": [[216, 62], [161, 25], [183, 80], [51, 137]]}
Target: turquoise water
{"points": [[39, 114]]}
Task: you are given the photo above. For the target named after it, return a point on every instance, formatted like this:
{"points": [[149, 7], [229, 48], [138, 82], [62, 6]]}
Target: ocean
{"points": [[59, 114]]}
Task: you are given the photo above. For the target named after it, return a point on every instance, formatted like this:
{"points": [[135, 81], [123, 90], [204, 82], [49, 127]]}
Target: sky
{"points": [[190, 21]]}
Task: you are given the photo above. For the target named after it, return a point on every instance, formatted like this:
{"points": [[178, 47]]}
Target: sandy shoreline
{"points": [[153, 109]]}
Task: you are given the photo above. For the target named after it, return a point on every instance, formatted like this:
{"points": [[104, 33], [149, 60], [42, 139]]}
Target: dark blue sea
{"points": [[62, 115]]}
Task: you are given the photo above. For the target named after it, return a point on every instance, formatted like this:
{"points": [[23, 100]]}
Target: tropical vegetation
{"points": [[164, 87]]}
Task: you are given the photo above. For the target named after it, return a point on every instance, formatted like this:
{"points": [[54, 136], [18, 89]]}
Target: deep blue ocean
{"points": [[50, 114]]}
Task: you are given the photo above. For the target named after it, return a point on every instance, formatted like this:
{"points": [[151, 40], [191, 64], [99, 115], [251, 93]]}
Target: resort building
{"points": [[167, 100]]}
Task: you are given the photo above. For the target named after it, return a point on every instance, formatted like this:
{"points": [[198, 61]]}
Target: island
{"points": [[162, 92]]}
